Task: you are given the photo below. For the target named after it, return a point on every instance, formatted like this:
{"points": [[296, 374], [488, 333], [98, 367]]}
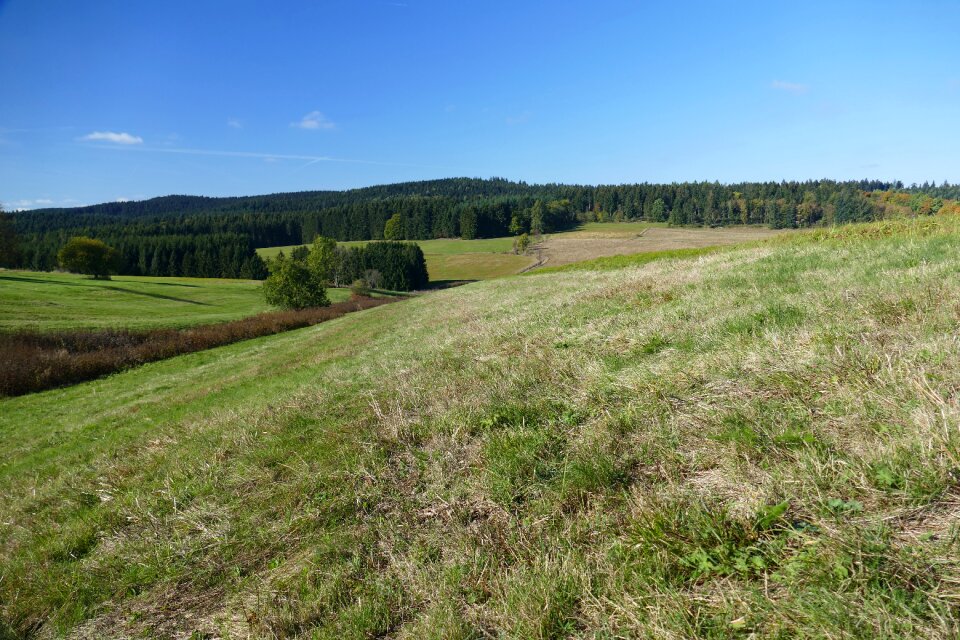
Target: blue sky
{"points": [[128, 100]]}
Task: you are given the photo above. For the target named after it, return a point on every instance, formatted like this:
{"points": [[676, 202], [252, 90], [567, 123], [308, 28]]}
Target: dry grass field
{"points": [[616, 239]]}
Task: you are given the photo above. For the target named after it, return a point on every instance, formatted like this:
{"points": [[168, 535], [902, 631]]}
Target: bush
{"points": [[89, 256], [293, 285], [360, 287], [521, 243]]}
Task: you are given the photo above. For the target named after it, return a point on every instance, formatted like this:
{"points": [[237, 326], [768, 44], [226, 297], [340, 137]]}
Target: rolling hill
{"points": [[759, 440]]}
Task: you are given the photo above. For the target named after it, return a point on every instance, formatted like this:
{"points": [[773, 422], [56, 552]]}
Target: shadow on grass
{"points": [[159, 296], [168, 284], [446, 284]]}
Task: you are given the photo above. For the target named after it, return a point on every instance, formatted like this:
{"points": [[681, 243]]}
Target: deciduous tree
{"points": [[393, 229], [89, 256], [324, 259], [293, 285]]}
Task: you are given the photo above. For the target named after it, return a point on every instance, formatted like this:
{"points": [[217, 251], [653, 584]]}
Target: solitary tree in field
{"points": [[293, 285], [89, 256], [10, 255]]}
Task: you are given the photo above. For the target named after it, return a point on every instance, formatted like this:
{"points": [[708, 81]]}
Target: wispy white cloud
{"points": [[314, 121], [235, 123], [110, 136], [795, 88], [272, 157], [520, 118], [24, 204]]}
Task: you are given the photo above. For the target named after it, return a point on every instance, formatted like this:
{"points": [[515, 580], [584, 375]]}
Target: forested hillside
{"points": [[211, 237]]}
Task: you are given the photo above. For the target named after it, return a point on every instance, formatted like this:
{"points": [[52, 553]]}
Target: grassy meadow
{"points": [[52, 301], [486, 258], [454, 259], [748, 442]]}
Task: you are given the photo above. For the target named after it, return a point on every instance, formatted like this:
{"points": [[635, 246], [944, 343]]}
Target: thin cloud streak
{"points": [[795, 88], [111, 136], [36, 203], [314, 121], [268, 156]]}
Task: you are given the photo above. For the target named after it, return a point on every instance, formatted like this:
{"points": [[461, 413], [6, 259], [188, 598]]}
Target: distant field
{"points": [[610, 229], [598, 240], [475, 266], [455, 259], [47, 301]]}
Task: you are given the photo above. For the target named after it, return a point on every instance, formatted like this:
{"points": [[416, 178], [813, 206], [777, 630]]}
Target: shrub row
{"points": [[34, 361]]}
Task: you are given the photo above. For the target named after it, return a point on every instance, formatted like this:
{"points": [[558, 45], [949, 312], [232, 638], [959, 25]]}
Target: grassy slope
{"points": [[592, 453], [49, 301]]}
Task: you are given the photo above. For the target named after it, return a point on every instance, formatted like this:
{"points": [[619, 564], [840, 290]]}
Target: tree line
{"points": [[300, 280], [217, 237]]}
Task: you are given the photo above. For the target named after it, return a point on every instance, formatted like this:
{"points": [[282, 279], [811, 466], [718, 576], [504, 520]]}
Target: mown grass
{"points": [[39, 360], [756, 442], [474, 266], [52, 301], [608, 263], [451, 259]]}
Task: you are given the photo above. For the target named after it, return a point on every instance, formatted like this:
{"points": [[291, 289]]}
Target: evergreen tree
{"points": [[300, 254], [850, 206], [468, 224], [10, 254], [658, 212]]}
